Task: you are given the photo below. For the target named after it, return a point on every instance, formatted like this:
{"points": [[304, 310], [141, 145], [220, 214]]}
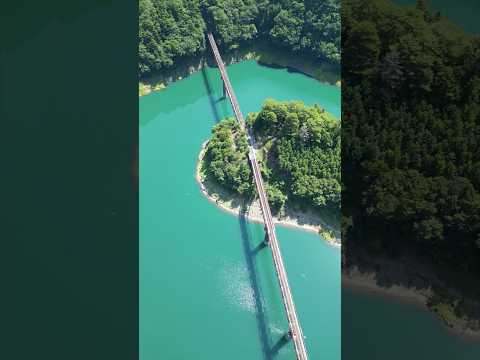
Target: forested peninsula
{"points": [[298, 148], [172, 32], [411, 162]]}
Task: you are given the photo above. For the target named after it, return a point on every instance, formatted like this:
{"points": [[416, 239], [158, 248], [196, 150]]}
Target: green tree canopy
{"points": [[300, 155], [171, 30]]}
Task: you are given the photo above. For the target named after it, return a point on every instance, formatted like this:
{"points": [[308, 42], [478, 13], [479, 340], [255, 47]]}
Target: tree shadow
{"points": [[269, 351]]}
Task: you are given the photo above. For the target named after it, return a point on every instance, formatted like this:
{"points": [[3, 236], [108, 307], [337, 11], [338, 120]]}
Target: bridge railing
{"points": [[287, 298]]}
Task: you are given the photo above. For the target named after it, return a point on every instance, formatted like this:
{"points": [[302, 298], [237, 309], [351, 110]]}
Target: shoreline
{"points": [[367, 283], [159, 81], [232, 205]]}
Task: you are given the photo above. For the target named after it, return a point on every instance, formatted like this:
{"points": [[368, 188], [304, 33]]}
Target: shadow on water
{"points": [[289, 69], [211, 95], [250, 254], [280, 343], [269, 352]]}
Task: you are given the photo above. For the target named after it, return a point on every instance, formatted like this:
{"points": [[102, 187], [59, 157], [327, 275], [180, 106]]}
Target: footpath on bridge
{"points": [[294, 324]]}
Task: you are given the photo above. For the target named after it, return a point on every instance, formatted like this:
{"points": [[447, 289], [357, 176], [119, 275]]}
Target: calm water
{"points": [[413, 333], [206, 291]]}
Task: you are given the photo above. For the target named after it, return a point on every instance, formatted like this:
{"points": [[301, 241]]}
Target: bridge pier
{"points": [[266, 239], [224, 90]]}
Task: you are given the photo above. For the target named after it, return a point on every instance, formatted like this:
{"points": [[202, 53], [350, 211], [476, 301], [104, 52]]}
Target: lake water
{"points": [[206, 290], [207, 293], [378, 327]]}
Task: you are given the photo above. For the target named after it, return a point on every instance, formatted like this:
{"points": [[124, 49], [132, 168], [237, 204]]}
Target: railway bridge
{"points": [[294, 325]]}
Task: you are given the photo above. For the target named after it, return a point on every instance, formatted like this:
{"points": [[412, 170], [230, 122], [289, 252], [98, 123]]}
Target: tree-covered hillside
{"points": [[300, 155], [411, 130], [170, 30]]}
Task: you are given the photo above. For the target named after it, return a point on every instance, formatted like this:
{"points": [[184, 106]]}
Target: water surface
{"points": [[207, 290], [382, 327]]}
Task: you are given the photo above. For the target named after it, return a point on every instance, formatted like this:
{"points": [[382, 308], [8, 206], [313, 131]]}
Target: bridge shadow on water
{"points": [[211, 95], [269, 351]]}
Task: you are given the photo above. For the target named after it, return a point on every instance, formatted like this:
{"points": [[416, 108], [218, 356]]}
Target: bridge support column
{"points": [[266, 239], [224, 90]]}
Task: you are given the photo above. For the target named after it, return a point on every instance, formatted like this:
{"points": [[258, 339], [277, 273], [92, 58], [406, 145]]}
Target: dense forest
{"points": [[172, 30], [411, 130], [299, 155]]}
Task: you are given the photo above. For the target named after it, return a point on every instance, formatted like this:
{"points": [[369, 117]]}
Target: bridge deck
{"points": [[294, 324]]}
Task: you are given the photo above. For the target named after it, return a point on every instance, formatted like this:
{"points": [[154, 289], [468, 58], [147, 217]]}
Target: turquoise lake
{"points": [[206, 291]]}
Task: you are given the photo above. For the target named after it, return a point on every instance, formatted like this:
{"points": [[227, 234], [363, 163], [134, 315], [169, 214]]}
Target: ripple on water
{"points": [[276, 329], [235, 287]]}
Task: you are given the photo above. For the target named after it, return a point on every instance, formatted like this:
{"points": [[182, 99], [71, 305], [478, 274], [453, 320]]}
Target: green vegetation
{"points": [[328, 235], [168, 30], [446, 312], [411, 155], [226, 155], [145, 89], [173, 30], [299, 155]]}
